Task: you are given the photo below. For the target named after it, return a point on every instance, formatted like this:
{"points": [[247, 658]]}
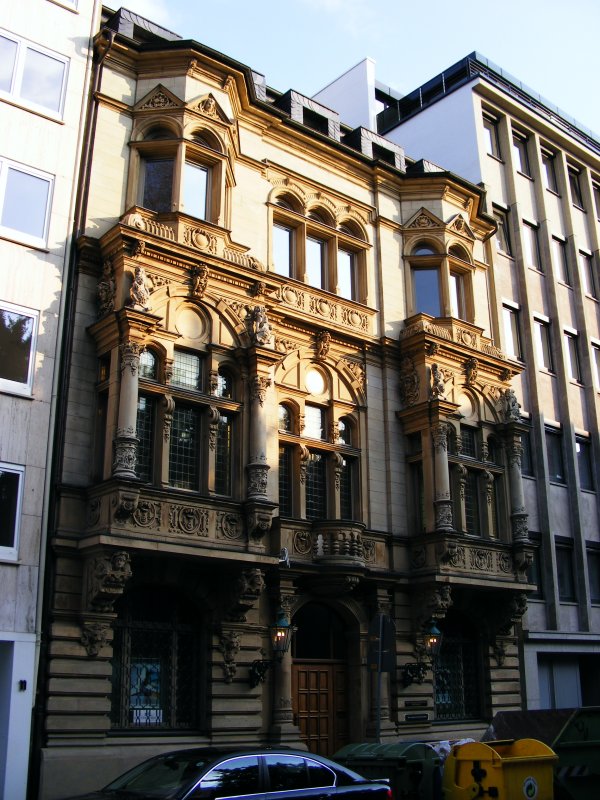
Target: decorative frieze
{"points": [[409, 386], [229, 525], [189, 520], [106, 289]]}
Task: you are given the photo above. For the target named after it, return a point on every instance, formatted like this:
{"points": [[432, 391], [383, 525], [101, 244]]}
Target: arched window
{"points": [[285, 418], [224, 383], [148, 367], [157, 664]]}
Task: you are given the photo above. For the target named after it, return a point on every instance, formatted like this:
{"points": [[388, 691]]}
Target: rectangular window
{"points": [[534, 572], [572, 356], [346, 274], [283, 239], [18, 333], [223, 453], [31, 74], [157, 184], [503, 243], [596, 194], [583, 449], [543, 345], [512, 337], [490, 132], [426, 286], [316, 487], [593, 565], [561, 262], [472, 504], [549, 170], [347, 489], [457, 295], [186, 370], [532, 246], [468, 437], [314, 422], [195, 190], [285, 480], [11, 494], [565, 574], [520, 154], [596, 364], [588, 279], [184, 449], [25, 196], [556, 469], [316, 251], [526, 455], [575, 187], [145, 434]]}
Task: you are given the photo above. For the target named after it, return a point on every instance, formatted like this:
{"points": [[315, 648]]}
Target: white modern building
{"points": [[44, 67], [541, 172]]}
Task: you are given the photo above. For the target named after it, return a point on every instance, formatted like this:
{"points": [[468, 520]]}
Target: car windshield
{"points": [[163, 775]]}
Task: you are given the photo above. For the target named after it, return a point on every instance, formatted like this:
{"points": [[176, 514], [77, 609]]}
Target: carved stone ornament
{"points": [[409, 382], [322, 344], [302, 543], [139, 294], [106, 289], [105, 579], [258, 388], [201, 239], [439, 435], [199, 280], [443, 515], [437, 382], [500, 652], [125, 456], [243, 593], [471, 365], [208, 106], [258, 326], [169, 407], [189, 520], [229, 645], [520, 530], [93, 637], [229, 526], [159, 100], [510, 406], [431, 603], [130, 356], [213, 422], [257, 479], [125, 503], [258, 522]]}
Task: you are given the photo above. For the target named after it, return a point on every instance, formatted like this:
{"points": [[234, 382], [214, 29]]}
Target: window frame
{"points": [[572, 357], [543, 343], [531, 245], [585, 463], [490, 124], [588, 279], [502, 237], [549, 170], [512, 330], [560, 257], [595, 345], [574, 179], [24, 388], [13, 94], [11, 552], [520, 145], [555, 455], [16, 234], [565, 572]]}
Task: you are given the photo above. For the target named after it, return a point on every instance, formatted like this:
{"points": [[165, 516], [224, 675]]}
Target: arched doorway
{"points": [[319, 678]]}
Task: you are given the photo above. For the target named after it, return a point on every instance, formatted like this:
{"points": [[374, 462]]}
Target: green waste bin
{"points": [[506, 770], [412, 768], [574, 735]]}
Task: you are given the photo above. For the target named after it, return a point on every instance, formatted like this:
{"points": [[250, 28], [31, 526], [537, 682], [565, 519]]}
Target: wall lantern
{"points": [[281, 638], [427, 649]]}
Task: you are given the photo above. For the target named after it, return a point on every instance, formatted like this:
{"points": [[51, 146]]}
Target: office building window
{"points": [[503, 241], [588, 278], [596, 194], [596, 364], [534, 571], [572, 356], [490, 133], [593, 565], [565, 573], [549, 170], [583, 450], [532, 246], [31, 74], [526, 455], [556, 468], [520, 154], [541, 329], [18, 332], [575, 186], [512, 337], [561, 261], [11, 495], [25, 196]]}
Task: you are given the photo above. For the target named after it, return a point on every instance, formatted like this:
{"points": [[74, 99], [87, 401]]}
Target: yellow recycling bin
{"points": [[520, 769]]}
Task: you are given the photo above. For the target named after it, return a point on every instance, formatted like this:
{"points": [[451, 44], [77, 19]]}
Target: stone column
{"points": [[126, 441], [257, 464], [442, 501], [283, 730], [518, 514]]}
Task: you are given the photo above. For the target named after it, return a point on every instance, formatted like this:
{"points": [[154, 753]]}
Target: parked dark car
{"points": [[211, 774]]}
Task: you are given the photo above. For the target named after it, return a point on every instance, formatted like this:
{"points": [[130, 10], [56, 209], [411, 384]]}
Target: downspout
{"points": [[101, 45]]}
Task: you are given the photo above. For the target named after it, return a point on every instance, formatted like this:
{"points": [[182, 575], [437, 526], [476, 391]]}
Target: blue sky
{"points": [[549, 45]]}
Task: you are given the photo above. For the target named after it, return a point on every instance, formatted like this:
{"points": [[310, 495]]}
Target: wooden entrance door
{"points": [[320, 706]]}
